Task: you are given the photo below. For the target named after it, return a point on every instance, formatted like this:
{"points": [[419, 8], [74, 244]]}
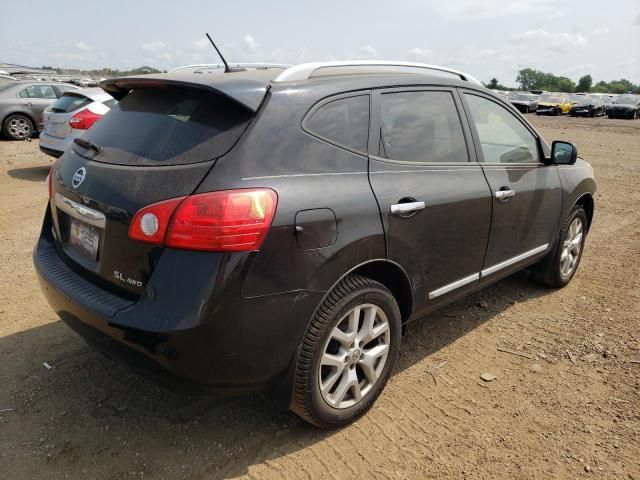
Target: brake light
{"points": [[84, 119], [225, 221]]}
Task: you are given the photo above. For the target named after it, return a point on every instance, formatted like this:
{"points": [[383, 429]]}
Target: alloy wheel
{"points": [[19, 128], [571, 248], [354, 356]]}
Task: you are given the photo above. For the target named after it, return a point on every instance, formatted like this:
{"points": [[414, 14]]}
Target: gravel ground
{"points": [[566, 406]]}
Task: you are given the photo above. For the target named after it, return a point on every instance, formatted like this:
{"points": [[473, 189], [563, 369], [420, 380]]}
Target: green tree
{"points": [[495, 85], [584, 84], [528, 78], [563, 84]]}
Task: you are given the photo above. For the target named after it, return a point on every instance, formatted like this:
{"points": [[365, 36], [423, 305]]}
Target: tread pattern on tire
{"points": [[301, 404]]}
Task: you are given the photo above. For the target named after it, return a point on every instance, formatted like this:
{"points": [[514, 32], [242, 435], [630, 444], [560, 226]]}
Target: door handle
{"points": [[505, 195], [403, 208]]}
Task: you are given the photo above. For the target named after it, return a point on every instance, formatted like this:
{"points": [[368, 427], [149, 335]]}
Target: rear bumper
{"points": [[54, 146], [223, 343], [50, 151]]}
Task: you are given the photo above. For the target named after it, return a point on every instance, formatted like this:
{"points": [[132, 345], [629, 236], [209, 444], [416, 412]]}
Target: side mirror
{"points": [[563, 153]]}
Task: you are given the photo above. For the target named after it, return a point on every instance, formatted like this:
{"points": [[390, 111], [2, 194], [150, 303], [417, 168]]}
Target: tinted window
{"points": [[110, 103], [344, 121], [169, 125], [69, 103], [421, 127], [38, 91], [502, 137]]}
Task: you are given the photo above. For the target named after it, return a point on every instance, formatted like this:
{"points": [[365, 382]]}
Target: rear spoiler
{"points": [[244, 90]]}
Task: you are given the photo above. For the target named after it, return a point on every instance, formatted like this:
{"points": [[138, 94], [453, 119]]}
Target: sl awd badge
{"points": [[78, 177]]}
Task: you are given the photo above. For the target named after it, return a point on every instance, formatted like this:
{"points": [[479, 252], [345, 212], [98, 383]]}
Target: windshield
{"points": [[551, 99], [627, 99], [523, 96]]}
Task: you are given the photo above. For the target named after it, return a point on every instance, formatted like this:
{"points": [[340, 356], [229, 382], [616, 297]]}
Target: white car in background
{"points": [[70, 116]]}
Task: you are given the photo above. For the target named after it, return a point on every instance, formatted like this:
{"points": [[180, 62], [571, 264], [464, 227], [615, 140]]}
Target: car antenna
{"points": [[227, 69]]}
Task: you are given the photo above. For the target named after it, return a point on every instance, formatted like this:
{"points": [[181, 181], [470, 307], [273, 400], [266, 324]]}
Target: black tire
{"points": [[548, 270], [18, 127], [308, 401]]}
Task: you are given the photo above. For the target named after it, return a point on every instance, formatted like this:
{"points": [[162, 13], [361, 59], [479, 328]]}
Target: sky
{"points": [[485, 38]]}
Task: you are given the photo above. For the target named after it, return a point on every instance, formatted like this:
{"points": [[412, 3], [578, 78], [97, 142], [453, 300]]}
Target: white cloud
{"points": [[154, 47], [477, 9], [202, 45], [365, 53], [82, 46], [636, 21], [561, 42], [600, 30], [416, 54], [251, 45]]}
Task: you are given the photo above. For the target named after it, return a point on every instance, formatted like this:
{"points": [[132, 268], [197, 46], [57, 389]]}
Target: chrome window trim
{"points": [[452, 286], [513, 260], [80, 212]]}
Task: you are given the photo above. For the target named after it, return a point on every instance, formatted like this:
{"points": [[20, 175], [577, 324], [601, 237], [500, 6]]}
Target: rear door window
{"points": [[344, 121], [168, 126], [422, 127], [38, 91]]}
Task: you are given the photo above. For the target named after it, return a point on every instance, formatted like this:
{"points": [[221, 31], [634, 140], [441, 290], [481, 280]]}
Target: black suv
{"points": [[276, 229]]}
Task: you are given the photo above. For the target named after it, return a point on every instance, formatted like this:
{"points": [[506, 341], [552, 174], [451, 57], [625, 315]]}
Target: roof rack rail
{"points": [[305, 70], [233, 65]]}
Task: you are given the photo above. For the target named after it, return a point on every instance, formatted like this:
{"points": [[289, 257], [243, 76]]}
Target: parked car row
{"points": [[59, 112], [577, 105]]}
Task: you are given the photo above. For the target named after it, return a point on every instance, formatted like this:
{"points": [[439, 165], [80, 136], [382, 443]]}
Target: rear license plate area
{"points": [[84, 238]]}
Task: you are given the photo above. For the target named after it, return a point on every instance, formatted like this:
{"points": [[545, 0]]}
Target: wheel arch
{"points": [[586, 202], [392, 276]]}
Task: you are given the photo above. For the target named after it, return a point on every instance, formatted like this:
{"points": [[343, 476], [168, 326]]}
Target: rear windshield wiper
{"points": [[87, 144]]}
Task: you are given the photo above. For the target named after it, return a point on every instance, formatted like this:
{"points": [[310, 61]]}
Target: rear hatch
{"points": [[56, 118], [157, 143]]}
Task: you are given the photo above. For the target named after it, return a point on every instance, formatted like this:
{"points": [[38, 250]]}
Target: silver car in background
{"points": [[71, 116], [22, 103]]}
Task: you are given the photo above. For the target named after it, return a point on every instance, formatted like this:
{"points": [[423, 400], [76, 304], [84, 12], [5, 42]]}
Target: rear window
{"points": [[70, 103], [168, 126]]}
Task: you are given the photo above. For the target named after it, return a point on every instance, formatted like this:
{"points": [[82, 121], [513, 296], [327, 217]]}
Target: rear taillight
{"points": [[225, 221], [52, 172], [84, 119]]}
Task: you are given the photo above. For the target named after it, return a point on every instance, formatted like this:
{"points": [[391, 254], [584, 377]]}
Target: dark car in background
{"points": [[524, 102], [70, 116], [591, 105], [276, 229], [22, 104], [625, 106]]}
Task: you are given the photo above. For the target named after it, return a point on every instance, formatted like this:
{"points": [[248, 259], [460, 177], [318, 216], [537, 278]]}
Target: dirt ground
{"points": [[566, 406]]}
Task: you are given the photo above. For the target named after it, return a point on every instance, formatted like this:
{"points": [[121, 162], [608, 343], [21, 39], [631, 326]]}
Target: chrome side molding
{"points": [[487, 271], [513, 260], [80, 212], [452, 286]]}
